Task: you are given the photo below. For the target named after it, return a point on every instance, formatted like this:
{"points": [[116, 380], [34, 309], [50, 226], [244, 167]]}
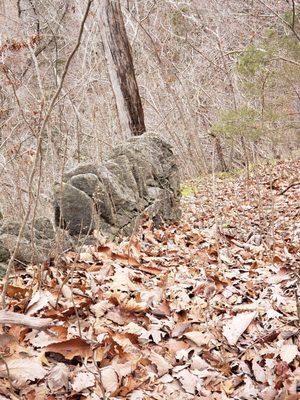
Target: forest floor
{"points": [[207, 309]]}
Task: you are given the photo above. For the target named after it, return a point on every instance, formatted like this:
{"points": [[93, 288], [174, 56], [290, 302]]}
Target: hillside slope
{"points": [[203, 310]]}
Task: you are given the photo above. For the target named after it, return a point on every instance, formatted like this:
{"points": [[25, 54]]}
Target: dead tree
{"points": [[120, 67]]}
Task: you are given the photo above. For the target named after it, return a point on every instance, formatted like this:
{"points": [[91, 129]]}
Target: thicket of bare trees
{"points": [[219, 79]]}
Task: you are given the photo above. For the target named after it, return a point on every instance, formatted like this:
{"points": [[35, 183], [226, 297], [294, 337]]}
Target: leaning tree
{"points": [[120, 68]]}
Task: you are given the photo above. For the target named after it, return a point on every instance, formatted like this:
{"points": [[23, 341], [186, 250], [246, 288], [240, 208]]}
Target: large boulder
{"points": [[139, 177], [38, 242], [75, 211]]}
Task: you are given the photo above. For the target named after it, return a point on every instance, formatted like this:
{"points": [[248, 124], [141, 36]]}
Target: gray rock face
{"points": [[140, 177], [4, 252], [75, 209], [37, 243]]}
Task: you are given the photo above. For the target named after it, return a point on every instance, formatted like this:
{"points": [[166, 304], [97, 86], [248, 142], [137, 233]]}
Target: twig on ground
{"points": [[12, 318], [289, 187]]}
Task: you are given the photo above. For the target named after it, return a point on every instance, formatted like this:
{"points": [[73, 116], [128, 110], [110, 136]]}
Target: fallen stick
{"points": [[12, 318], [292, 185]]}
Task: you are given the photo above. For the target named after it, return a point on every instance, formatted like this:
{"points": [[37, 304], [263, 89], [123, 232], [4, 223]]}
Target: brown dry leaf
{"points": [[116, 317], [288, 352], [123, 341], [125, 259], [71, 348], [234, 328], [162, 365], [179, 329], [83, 380], [258, 372], [107, 252], [129, 384], [228, 387], [58, 377], [109, 379], [125, 369], [187, 380], [22, 370], [122, 281], [199, 338], [174, 346], [17, 292], [199, 364], [86, 258], [40, 300], [136, 329], [134, 306], [34, 392], [65, 289], [8, 344], [53, 335], [151, 268], [100, 308]]}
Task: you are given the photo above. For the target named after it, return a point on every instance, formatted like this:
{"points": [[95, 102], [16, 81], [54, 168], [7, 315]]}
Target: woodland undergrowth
{"points": [[206, 309]]}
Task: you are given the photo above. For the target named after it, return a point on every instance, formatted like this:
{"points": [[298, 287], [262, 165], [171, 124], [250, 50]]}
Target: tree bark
{"points": [[120, 67], [220, 153]]}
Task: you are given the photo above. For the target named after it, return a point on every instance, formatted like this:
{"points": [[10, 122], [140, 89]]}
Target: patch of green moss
{"points": [[188, 190]]}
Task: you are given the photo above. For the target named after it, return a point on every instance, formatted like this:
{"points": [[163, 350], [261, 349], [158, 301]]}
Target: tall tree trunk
{"points": [[221, 157], [120, 67]]}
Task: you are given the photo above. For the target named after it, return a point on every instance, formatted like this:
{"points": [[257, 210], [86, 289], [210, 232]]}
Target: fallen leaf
{"points": [[199, 338], [100, 308], [179, 329], [288, 352], [109, 379], [187, 380], [39, 300], [71, 348], [258, 372], [58, 377], [22, 370], [162, 365], [237, 326], [83, 380]]}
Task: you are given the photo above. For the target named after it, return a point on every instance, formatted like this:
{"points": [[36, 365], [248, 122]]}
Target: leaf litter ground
{"points": [[207, 309]]}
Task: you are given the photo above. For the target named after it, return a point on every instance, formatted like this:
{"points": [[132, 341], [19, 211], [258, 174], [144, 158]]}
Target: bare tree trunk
{"points": [[120, 67], [220, 154]]}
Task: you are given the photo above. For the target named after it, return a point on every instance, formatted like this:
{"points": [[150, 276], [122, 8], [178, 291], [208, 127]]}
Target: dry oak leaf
{"points": [[58, 377], [125, 369], [71, 348], [22, 370], [109, 379], [288, 352], [41, 339], [83, 380], [199, 364], [187, 380], [138, 330], [40, 300], [161, 364], [100, 308], [258, 371], [199, 338], [179, 329], [235, 327], [8, 344]]}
